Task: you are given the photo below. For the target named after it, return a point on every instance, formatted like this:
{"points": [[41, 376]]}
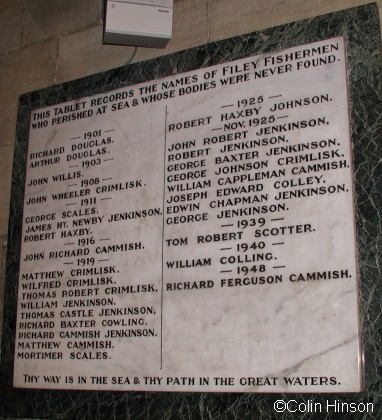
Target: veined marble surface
{"points": [[360, 28], [216, 209]]}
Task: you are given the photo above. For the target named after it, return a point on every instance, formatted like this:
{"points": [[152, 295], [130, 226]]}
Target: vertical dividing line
{"points": [[163, 206]]}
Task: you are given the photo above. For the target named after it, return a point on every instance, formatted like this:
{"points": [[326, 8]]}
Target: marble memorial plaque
{"points": [[195, 233]]}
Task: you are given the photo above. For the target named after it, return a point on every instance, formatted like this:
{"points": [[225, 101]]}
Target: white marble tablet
{"points": [[195, 233]]}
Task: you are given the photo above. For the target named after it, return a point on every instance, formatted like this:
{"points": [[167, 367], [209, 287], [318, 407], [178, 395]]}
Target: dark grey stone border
{"points": [[360, 27]]}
